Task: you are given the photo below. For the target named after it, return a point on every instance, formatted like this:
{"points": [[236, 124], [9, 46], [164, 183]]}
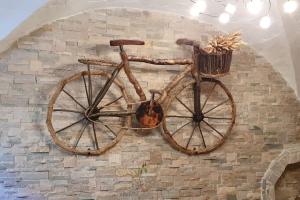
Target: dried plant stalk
{"points": [[222, 43]]}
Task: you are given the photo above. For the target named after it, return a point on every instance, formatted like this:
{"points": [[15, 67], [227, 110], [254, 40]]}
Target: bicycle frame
{"points": [[190, 68]]}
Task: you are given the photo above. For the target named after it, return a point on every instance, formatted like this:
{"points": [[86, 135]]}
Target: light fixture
{"points": [[194, 11], [254, 6], [198, 7], [290, 6], [265, 22], [230, 8], [224, 18]]}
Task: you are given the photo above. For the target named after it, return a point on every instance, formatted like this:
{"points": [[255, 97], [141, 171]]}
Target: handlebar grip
{"points": [[184, 41], [125, 42]]}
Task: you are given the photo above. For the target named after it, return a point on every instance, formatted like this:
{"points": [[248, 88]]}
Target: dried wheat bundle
{"points": [[223, 43]]}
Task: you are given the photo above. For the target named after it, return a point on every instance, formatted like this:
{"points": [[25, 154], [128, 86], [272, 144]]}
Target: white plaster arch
{"points": [[276, 168], [273, 44]]}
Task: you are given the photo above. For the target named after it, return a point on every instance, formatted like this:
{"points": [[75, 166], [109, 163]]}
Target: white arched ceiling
{"points": [[279, 44]]}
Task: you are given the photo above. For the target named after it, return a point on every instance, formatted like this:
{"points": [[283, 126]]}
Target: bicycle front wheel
{"points": [[193, 135], [71, 124]]}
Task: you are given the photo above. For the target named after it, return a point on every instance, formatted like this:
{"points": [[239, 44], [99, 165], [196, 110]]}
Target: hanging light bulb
{"points": [[290, 6], [265, 22], [230, 8], [194, 11], [254, 6], [198, 7], [224, 18]]}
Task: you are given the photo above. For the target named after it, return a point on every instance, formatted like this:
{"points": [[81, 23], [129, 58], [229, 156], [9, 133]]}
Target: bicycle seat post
{"points": [[125, 64]]}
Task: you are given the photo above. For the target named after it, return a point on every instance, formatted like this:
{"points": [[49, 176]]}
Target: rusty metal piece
{"points": [[149, 114]]}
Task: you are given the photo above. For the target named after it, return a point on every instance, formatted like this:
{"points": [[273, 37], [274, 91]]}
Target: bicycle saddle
{"points": [[125, 42]]}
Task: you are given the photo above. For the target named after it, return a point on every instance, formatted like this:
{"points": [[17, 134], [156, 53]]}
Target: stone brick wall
{"points": [[287, 186], [31, 167]]}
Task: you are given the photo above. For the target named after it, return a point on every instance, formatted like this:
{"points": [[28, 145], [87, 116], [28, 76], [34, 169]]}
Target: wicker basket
{"points": [[214, 64]]}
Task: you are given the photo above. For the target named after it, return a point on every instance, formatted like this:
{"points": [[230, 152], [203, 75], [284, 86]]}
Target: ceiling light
{"points": [[265, 22], [290, 6], [230, 8], [194, 11], [198, 7], [224, 18], [254, 6]]}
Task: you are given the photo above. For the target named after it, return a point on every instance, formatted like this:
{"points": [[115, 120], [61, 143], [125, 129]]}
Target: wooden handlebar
{"points": [[184, 41], [126, 42]]}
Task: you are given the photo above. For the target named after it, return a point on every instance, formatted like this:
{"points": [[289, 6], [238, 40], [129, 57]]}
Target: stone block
{"points": [[155, 158], [34, 175], [39, 149], [114, 159]]}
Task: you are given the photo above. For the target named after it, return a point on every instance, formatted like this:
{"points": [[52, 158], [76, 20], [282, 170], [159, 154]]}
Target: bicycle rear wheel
{"points": [[193, 136], [69, 123]]}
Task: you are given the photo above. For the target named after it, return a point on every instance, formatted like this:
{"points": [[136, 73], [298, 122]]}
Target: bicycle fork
{"points": [[103, 90], [198, 115]]}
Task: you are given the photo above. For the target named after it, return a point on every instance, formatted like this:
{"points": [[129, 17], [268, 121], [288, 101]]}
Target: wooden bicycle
{"points": [[91, 110]]}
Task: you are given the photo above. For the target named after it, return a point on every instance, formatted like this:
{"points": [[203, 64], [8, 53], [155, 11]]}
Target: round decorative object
{"points": [[195, 134], [74, 127], [149, 114]]}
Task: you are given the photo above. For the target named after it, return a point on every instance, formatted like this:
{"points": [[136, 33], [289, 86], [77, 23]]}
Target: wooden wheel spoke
{"points": [[193, 131], [74, 99], [115, 134], [80, 134], [67, 110], [95, 136], [90, 84], [219, 118], [210, 92], [203, 140], [184, 105], [62, 129], [213, 128], [86, 91], [179, 116], [109, 103], [223, 102], [106, 126], [181, 128]]}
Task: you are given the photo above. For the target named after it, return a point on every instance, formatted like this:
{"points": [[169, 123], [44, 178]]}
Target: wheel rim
{"points": [[70, 126], [184, 132]]}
